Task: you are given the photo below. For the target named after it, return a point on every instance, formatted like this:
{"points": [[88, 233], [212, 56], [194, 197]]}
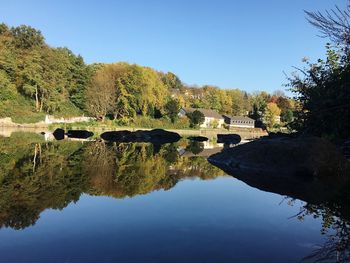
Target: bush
{"points": [[163, 123]]}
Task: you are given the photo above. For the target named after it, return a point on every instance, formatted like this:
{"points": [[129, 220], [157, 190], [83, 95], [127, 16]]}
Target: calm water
{"points": [[93, 202]]}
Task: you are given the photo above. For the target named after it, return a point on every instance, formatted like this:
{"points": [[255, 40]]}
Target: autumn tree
{"points": [[101, 94], [272, 112], [171, 81]]}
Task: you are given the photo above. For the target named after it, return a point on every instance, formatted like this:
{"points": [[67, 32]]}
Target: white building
{"points": [[212, 119], [239, 121]]}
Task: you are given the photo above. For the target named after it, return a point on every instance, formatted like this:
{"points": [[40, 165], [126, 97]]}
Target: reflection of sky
{"points": [[196, 221]]}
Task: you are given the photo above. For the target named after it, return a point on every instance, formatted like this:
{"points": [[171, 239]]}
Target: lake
{"points": [[73, 201]]}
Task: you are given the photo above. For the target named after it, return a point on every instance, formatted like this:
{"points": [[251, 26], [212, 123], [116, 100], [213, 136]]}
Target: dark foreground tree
{"points": [[334, 24], [323, 90]]}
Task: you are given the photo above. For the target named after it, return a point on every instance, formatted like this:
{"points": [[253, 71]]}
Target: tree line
{"points": [[38, 79]]}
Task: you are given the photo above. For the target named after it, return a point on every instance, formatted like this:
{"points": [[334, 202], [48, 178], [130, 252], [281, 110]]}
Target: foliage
{"points": [[122, 90], [163, 123], [47, 78], [172, 108], [196, 118], [195, 147], [26, 37], [323, 89], [37, 175], [324, 94], [171, 81], [39, 79], [272, 112]]}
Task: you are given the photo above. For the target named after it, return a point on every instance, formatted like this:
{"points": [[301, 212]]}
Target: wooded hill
{"points": [[36, 79]]}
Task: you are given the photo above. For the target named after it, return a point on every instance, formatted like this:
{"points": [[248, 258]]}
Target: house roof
{"points": [[206, 112], [238, 118]]}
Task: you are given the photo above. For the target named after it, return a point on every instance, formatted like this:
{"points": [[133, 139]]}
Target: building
{"points": [[212, 119], [239, 121]]}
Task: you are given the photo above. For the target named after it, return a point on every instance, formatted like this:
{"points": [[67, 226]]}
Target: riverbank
{"points": [[7, 127]]}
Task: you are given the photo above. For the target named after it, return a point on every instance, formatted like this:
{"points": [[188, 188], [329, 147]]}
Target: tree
{"points": [[171, 81], [27, 37], [287, 116], [271, 113], [334, 24], [195, 147], [259, 101], [78, 77], [172, 108], [7, 89], [323, 93], [323, 88], [286, 109], [101, 94], [31, 78], [211, 98], [196, 118]]}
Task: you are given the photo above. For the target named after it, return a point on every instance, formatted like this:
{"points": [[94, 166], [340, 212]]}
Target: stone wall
{"points": [[51, 119]]}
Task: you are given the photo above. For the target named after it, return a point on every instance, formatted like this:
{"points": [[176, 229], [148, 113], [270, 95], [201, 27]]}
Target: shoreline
{"points": [[6, 130]]}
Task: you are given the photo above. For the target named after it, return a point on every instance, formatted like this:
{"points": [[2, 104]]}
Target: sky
{"points": [[246, 44]]}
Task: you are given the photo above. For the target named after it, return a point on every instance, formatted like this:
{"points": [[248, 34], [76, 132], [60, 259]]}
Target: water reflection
{"points": [[336, 228], [36, 175]]}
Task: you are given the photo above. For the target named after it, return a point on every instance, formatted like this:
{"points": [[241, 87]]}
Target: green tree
{"points": [[196, 118], [27, 37], [172, 108], [7, 89]]}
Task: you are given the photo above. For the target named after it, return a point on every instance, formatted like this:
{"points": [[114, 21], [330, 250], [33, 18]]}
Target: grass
{"points": [[20, 111]]}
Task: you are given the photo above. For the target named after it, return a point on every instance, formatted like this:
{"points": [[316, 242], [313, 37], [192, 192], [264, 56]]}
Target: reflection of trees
{"points": [[335, 225], [337, 229], [54, 183], [38, 175], [195, 147]]}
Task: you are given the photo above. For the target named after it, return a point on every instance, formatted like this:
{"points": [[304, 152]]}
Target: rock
{"points": [[79, 134], [161, 136], [156, 136], [116, 136], [229, 138], [310, 169], [273, 135], [58, 134], [198, 138]]}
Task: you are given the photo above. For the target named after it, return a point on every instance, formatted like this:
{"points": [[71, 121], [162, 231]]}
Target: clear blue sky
{"points": [[243, 44]]}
